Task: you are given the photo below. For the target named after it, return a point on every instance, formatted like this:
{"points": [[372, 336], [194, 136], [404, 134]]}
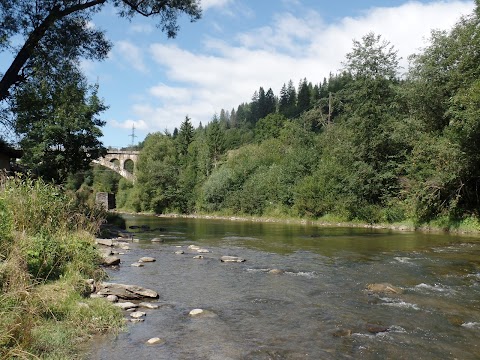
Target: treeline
{"points": [[368, 143]]}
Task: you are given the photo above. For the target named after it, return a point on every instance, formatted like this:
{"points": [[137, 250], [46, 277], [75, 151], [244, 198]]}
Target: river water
{"points": [[318, 308]]}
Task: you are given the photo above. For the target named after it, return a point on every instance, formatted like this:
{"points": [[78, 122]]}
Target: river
{"points": [[317, 308]]}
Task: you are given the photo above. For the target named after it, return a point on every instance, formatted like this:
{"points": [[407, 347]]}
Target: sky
{"points": [[152, 82]]}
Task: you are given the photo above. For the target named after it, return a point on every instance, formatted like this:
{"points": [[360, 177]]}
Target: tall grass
{"points": [[46, 253]]}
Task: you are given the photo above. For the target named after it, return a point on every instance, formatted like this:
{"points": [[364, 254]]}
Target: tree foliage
{"points": [[59, 124], [362, 144]]}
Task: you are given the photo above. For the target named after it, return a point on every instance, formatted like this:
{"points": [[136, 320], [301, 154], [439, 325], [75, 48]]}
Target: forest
{"points": [[372, 143]]}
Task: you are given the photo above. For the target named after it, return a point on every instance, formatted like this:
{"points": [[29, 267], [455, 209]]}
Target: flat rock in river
{"points": [[231, 259], [384, 288], [128, 292]]}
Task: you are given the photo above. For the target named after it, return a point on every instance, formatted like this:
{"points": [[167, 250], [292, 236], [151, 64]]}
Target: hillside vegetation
{"points": [[367, 144]]}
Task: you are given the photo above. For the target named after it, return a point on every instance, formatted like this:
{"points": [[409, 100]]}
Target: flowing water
{"points": [[318, 308]]}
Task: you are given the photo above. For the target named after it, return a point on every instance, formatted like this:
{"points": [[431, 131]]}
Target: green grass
{"points": [[46, 254]]}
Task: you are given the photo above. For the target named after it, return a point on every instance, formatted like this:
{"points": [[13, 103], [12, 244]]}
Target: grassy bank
{"points": [[46, 255]]}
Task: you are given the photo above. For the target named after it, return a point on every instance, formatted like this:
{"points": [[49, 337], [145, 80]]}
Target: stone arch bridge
{"points": [[116, 160]]}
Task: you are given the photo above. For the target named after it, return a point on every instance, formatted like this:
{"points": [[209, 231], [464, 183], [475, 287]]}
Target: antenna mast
{"points": [[132, 135]]}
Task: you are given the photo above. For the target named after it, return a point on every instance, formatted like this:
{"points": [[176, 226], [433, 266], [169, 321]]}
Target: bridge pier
{"points": [[106, 200]]}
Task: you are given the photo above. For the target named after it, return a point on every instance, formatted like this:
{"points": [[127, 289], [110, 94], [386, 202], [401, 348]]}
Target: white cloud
{"points": [[131, 54], [224, 75], [206, 4], [171, 93], [142, 28], [128, 124]]}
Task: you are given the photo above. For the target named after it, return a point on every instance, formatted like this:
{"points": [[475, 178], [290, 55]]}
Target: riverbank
{"points": [[48, 261]]}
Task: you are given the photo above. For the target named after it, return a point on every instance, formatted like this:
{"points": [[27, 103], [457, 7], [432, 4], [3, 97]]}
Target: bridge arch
{"points": [[120, 161]]}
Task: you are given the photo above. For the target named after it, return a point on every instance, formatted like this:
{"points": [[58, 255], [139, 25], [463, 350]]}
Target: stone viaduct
{"points": [[116, 160]]}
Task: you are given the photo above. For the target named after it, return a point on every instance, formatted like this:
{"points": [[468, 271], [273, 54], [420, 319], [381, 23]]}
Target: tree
{"points": [[54, 30], [185, 136], [157, 173], [59, 124], [304, 97], [443, 95], [215, 140]]}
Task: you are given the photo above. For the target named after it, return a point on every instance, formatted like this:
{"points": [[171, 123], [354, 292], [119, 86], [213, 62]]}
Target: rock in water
{"points": [[276, 271], [157, 240], [384, 288], [148, 305], [195, 312], [126, 305], [375, 329], [137, 264], [342, 332], [231, 259], [111, 260], [155, 341], [128, 292], [104, 242], [147, 259], [137, 314]]}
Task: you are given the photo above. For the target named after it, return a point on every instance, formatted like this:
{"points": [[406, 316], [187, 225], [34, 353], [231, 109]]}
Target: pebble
{"points": [[155, 340]]}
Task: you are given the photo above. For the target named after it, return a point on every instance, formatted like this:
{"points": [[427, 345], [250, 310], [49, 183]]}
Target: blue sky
{"points": [[239, 45]]}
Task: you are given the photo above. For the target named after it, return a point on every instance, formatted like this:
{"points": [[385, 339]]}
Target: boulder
{"points": [[126, 305], [203, 251], [137, 314], [179, 252], [384, 288], [157, 240], [137, 264], [112, 298], [104, 242], [231, 259], [198, 257], [146, 259], [128, 292], [193, 247], [111, 260]]}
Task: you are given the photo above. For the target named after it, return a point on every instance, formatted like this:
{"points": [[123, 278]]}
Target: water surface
{"points": [[307, 311]]}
